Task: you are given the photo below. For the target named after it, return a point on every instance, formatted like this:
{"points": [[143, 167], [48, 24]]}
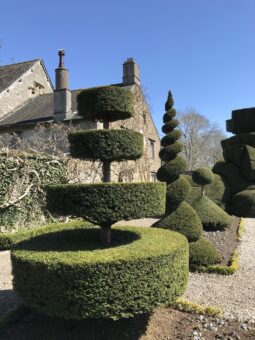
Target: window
{"points": [[152, 149], [153, 177]]}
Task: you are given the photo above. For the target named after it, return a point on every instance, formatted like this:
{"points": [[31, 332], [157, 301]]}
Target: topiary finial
{"points": [[170, 101]]}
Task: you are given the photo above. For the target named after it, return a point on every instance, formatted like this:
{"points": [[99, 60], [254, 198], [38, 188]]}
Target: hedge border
{"points": [[233, 267], [187, 306]]}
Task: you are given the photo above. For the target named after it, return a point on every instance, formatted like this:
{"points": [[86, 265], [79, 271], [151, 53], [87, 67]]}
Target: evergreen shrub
{"points": [[170, 152], [170, 138], [212, 216], [170, 171], [243, 203], [170, 126], [57, 275], [107, 203], [202, 253], [177, 192], [202, 176], [110, 145], [184, 220], [109, 103]]}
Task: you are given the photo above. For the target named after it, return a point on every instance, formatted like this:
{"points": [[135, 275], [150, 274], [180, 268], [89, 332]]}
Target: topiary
{"points": [[202, 253], [203, 177], [212, 216], [180, 216], [184, 220], [243, 203], [69, 274]]}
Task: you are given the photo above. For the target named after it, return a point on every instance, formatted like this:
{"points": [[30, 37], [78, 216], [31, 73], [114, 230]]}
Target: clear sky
{"points": [[203, 50]]}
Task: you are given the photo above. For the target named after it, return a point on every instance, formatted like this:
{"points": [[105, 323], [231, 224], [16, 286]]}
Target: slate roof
{"points": [[37, 109], [10, 73]]}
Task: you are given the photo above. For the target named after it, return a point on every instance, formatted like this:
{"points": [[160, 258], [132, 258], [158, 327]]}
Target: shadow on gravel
{"points": [[8, 301], [41, 327]]}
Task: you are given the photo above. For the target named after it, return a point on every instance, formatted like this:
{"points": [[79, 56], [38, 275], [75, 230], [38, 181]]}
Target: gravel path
{"points": [[8, 299], [235, 294]]}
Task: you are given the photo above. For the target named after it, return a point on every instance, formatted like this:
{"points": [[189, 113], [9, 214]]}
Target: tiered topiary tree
{"points": [[71, 274], [180, 216], [212, 216]]}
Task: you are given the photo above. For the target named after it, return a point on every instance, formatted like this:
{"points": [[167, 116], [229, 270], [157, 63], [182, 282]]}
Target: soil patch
{"points": [[164, 323], [225, 241]]}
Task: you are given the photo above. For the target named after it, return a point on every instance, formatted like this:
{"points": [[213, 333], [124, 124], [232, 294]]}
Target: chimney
{"points": [[62, 95], [131, 72]]}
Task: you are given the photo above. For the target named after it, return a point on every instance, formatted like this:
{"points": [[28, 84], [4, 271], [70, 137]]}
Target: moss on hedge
{"points": [[202, 253], [56, 275], [7, 240], [106, 145], [109, 103], [184, 220], [107, 202], [212, 216]]}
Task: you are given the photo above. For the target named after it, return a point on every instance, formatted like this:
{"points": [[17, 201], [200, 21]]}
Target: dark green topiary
{"points": [[243, 203], [68, 274], [181, 216], [211, 215], [202, 253], [184, 220], [176, 192], [110, 145], [107, 203], [202, 176], [170, 171], [170, 138], [109, 103]]}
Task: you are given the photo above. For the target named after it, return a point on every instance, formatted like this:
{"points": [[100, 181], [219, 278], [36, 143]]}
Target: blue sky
{"points": [[203, 50]]}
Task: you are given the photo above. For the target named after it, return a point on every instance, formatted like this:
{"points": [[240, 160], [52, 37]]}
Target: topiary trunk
{"points": [[106, 234]]}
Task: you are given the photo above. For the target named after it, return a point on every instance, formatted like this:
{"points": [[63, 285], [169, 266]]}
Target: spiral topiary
{"points": [[180, 216]]}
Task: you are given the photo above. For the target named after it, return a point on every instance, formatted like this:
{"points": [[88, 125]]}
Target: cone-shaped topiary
{"points": [[180, 216]]}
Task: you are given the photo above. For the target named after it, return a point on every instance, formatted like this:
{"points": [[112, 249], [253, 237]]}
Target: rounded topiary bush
{"points": [[107, 203], [170, 138], [212, 216], [176, 192], [110, 145], [202, 253], [202, 176], [243, 204], [170, 171], [170, 152], [109, 103], [69, 274], [184, 220]]}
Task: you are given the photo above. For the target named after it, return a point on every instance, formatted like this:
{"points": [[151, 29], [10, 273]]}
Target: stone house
{"points": [[28, 99]]}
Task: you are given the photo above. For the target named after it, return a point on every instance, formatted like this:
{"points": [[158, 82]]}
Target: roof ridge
{"points": [[22, 62]]}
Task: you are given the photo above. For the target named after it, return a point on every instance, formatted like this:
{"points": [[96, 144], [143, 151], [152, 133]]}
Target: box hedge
{"points": [[170, 138], [109, 103], [170, 171], [202, 253], [107, 202], [243, 120], [170, 126], [243, 203], [106, 145], [170, 152], [177, 192], [56, 275]]}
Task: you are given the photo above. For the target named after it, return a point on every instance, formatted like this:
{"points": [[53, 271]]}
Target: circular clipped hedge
{"points": [[202, 253], [109, 103], [202, 176], [184, 220], [170, 171], [58, 275], [107, 202], [110, 145]]}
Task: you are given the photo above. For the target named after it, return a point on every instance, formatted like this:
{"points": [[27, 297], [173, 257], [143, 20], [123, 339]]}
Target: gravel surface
{"points": [[235, 294], [8, 299]]}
